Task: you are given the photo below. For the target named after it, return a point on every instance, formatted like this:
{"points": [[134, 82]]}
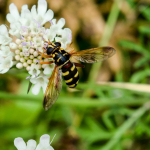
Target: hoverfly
{"points": [[66, 68]]}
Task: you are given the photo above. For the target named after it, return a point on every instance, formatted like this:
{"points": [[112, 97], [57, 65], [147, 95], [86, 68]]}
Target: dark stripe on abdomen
{"points": [[70, 75]]}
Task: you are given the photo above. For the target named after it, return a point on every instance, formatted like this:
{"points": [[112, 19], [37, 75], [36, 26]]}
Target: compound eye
{"points": [[58, 44], [49, 50]]}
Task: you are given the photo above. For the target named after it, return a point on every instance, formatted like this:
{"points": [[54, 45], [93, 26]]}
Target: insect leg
{"points": [[71, 51], [49, 62], [79, 65], [47, 56]]}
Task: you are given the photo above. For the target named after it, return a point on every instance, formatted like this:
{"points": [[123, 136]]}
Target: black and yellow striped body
{"points": [[70, 74], [62, 59]]}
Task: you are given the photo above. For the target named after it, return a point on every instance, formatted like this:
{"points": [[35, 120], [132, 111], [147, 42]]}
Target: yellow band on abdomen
{"points": [[72, 68], [65, 73], [73, 85], [68, 81]]}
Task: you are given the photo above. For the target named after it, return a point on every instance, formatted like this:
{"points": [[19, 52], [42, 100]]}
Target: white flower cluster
{"points": [[31, 144], [25, 45]]}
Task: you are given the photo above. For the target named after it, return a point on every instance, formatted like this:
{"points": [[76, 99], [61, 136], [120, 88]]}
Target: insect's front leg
{"points": [[49, 62], [43, 55]]}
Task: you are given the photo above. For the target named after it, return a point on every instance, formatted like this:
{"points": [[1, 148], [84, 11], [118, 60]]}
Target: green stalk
{"points": [[108, 31], [77, 101], [122, 129]]}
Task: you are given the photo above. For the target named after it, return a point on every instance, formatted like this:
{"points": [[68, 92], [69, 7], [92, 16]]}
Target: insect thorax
{"points": [[60, 56]]}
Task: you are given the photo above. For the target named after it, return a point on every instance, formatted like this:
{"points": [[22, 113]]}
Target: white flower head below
{"points": [[44, 144], [30, 34]]}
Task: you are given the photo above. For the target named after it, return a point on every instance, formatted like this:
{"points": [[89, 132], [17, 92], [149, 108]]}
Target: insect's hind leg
{"points": [[79, 65]]}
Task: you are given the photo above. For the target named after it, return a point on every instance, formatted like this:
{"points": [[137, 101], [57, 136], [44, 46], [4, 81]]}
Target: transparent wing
{"points": [[94, 55], [53, 88]]}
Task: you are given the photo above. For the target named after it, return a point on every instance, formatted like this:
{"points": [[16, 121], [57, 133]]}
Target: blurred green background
{"points": [[109, 109]]}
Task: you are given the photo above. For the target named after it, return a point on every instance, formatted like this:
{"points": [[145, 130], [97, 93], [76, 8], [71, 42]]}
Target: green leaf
{"points": [[145, 11], [139, 76], [135, 47], [144, 30], [141, 62]]}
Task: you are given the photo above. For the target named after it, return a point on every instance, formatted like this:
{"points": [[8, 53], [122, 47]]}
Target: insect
{"points": [[66, 68]]}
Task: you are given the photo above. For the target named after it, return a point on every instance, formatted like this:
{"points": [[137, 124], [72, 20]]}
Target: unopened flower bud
{"points": [[17, 57], [29, 61], [28, 68], [35, 54], [21, 53], [31, 51], [20, 46], [26, 57], [39, 57], [19, 65], [32, 64], [22, 59], [39, 66], [13, 45], [18, 41], [31, 56], [17, 51], [29, 38], [25, 64], [46, 60], [44, 66]]}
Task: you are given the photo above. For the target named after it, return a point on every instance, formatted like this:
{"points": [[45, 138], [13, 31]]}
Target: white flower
{"points": [[48, 69], [54, 29], [42, 16], [5, 64], [4, 37], [13, 16], [27, 28], [65, 37], [34, 71], [40, 81], [44, 143], [31, 144], [13, 45], [26, 17], [21, 145], [5, 51], [15, 29]]}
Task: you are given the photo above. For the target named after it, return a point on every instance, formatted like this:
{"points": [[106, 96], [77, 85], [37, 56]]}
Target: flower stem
{"points": [[109, 27]]}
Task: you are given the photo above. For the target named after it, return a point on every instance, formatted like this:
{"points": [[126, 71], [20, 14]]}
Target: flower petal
{"points": [[42, 7], [61, 22], [33, 11], [10, 18], [3, 71], [44, 140], [14, 11], [44, 86], [5, 40], [48, 16], [31, 144], [48, 69], [36, 89], [19, 143], [3, 30]]}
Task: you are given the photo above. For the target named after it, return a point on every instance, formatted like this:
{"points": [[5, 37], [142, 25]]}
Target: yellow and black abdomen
{"points": [[70, 74]]}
